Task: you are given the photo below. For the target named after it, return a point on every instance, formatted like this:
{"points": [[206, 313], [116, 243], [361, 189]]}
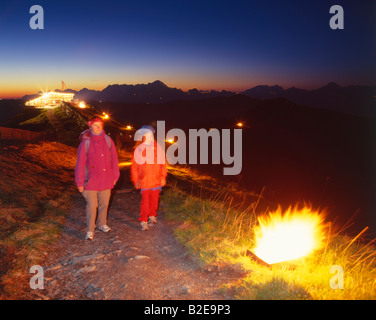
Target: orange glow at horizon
{"points": [[13, 94], [15, 88]]}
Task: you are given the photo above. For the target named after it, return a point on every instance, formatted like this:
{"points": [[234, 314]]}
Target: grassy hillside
{"points": [[35, 189], [298, 153], [9, 108], [216, 221], [219, 233], [30, 118]]}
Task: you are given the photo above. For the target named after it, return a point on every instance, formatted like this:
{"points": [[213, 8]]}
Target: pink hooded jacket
{"points": [[101, 162]]}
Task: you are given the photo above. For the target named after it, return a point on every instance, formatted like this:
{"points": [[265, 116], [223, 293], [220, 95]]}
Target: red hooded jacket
{"points": [[149, 174]]}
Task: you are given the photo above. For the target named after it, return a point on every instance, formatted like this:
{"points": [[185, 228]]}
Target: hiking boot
{"points": [[144, 226], [152, 220], [104, 228], [89, 236]]}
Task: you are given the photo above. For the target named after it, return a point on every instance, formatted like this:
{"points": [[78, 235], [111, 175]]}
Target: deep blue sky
{"points": [[231, 45]]}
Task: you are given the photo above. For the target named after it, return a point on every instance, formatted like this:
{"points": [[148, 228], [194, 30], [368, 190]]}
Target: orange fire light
{"points": [[289, 236]]}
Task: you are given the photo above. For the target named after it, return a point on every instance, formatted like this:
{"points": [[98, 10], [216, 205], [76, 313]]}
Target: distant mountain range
{"points": [[356, 100]]}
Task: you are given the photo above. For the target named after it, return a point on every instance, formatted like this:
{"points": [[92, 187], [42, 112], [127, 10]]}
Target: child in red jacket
{"points": [[148, 173]]}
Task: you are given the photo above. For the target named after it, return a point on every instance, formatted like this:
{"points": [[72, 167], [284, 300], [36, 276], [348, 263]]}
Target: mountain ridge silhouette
{"points": [[353, 99]]}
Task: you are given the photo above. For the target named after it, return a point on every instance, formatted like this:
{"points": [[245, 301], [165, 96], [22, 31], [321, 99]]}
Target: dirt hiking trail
{"points": [[126, 263]]}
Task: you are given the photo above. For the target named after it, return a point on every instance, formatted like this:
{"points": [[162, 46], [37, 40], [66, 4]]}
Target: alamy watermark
{"points": [[37, 281], [37, 20], [335, 22], [337, 281], [177, 153]]}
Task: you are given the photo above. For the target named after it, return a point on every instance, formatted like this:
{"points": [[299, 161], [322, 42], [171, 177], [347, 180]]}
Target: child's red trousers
{"points": [[149, 204]]}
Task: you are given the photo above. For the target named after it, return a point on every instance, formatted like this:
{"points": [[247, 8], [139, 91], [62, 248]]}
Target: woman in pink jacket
{"points": [[148, 173], [96, 173]]}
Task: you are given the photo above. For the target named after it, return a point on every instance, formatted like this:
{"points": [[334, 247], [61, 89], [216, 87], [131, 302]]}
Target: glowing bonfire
{"points": [[288, 236]]}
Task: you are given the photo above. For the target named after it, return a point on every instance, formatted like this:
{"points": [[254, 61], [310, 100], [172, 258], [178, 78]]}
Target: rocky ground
{"points": [[127, 263]]}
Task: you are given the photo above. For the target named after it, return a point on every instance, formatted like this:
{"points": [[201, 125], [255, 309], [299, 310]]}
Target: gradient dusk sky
{"points": [[223, 45]]}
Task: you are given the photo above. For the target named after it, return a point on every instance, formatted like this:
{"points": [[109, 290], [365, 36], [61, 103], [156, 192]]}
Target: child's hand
{"points": [[137, 185], [163, 182]]}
